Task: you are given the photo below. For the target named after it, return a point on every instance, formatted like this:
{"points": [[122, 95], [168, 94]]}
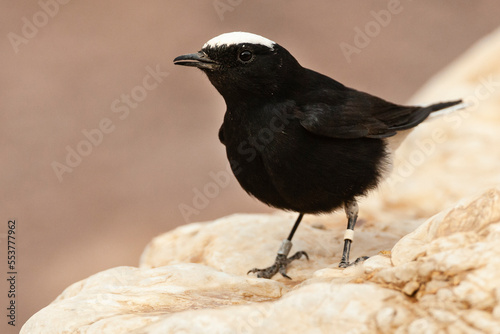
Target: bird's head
{"points": [[244, 66]]}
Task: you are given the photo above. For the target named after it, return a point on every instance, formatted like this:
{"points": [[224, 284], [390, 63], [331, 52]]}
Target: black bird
{"points": [[296, 139]]}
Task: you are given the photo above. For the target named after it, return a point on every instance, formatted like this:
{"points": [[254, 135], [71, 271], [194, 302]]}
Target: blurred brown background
{"points": [[69, 70]]}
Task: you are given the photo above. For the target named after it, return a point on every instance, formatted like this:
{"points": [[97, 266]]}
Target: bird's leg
{"points": [[282, 260], [351, 210]]}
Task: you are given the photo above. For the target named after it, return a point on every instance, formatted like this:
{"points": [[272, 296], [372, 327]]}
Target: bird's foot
{"points": [[280, 265], [345, 264]]}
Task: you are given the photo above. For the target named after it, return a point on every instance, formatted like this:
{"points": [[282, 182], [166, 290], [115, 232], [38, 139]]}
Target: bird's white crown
{"points": [[238, 37]]}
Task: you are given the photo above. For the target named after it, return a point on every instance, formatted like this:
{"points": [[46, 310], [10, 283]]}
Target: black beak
{"points": [[199, 60]]}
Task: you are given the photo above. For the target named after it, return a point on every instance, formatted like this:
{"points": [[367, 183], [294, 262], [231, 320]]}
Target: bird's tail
{"points": [[443, 108], [419, 114]]}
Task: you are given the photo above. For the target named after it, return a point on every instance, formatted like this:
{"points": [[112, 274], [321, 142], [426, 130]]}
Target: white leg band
{"points": [[349, 234], [286, 245]]}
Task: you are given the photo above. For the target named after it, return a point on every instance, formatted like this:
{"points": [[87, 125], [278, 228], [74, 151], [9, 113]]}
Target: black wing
{"points": [[348, 113]]}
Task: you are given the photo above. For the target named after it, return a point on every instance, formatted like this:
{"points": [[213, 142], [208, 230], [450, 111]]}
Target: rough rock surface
{"points": [[441, 278]]}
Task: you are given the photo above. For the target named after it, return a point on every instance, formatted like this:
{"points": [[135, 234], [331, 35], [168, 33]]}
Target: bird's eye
{"points": [[245, 56]]}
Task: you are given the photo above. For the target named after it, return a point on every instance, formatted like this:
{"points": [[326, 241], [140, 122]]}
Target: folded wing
{"points": [[347, 113]]}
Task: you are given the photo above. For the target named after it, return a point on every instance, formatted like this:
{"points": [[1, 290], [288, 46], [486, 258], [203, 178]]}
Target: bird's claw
{"points": [[345, 264], [279, 265]]}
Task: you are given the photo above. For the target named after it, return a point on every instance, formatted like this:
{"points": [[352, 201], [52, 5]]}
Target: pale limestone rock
{"points": [[443, 277], [316, 308], [132, 298], [452, 275]]}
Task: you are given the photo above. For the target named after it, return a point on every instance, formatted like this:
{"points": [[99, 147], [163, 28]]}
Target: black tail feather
{"points": [[443, 105], [420, 114]]}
